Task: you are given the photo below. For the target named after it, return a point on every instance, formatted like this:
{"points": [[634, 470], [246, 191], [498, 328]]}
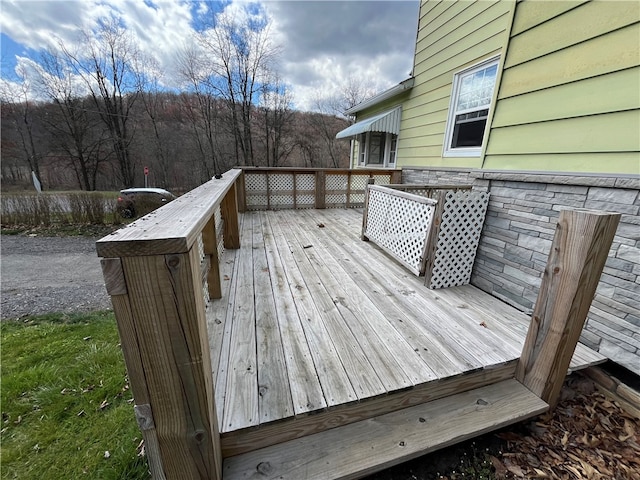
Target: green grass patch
{"points": [[66, 400]]}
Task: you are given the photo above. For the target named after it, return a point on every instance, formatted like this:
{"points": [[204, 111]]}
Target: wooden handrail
{"points": [[174, 227], [154, 272]]}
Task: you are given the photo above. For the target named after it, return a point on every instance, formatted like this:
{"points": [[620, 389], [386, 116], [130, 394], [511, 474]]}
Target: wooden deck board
{"points": [[336, 387], [472, 342], [306, 392], [510, 323], [394, 359], [339, 323], [361, 448], [274, 392], [241, 399]]}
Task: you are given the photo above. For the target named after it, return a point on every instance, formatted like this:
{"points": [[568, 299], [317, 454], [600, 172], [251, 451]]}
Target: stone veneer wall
{"points": [[516, 238]]}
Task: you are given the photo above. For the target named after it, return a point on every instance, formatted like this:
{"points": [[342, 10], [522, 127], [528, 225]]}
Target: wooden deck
{"points": [[317, 329]]}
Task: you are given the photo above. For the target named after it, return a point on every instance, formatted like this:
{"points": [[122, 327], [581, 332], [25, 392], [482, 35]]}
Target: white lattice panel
{"points": [[306, 188], [306, 181], [281, 190], [358, 185], [359, 182], [255, 185], [460, 229], [400, 226], [219, 223], [203, 260], [336, 183], [382, 179]]}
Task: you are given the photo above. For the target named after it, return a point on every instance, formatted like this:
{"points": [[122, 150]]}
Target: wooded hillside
{"points": [[184, 139]]}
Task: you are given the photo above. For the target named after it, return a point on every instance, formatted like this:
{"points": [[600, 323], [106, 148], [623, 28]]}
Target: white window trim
{"points": [[364, 146], [465, 151]]}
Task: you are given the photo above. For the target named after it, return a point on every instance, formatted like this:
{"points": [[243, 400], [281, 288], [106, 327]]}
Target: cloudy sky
{"points": [[323, 43]]}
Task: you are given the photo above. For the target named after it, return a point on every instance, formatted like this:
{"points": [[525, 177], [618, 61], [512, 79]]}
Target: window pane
{"points": [[469, 129], [392, 149], [376, 148], [476, 88]]}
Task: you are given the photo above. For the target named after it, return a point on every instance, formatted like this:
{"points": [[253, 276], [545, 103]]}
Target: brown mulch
{"points": [[586, 437]]}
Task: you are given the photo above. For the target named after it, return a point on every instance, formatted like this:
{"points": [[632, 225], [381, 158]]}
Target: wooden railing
{"points": [[264, 188], [161, 271]]}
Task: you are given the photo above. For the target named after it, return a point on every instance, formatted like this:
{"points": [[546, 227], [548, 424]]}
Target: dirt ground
{"points": [[586, 437]]}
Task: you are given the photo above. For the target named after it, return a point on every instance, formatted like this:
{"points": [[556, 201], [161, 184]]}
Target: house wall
{"points": [[517, 234], [451, 36], [370, 112], [569, 95]]}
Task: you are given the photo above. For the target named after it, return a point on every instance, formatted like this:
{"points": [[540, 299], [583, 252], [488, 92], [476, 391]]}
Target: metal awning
{"points": [[388, 122]]}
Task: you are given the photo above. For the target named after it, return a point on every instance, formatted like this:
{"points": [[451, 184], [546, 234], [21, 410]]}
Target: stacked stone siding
{"points": [[517, 235]]}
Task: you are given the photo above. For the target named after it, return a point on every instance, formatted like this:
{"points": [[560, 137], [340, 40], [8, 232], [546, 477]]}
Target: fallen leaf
{"points": [[516, 470]]}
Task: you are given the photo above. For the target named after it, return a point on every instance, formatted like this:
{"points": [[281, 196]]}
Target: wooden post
{"points": [[431, 244], [396, 176], [117, 288], [320, 188], [241, 193], [229, 210], [365, 211], [578, 254], [210, 244], [160, 313]]}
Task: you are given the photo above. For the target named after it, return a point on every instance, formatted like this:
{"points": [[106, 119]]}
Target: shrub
{"points": [[35, 210]]}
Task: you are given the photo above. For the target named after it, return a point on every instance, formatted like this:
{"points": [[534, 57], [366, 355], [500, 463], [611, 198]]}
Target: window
{"points": [[377, 149], [469, 109]]}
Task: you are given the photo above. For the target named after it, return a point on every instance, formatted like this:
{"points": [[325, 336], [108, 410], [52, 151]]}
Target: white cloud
{"points": [[324, 43]]}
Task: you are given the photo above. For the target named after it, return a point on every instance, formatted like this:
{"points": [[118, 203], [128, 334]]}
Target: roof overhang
{"points": [[381, 97], [388, 122]]}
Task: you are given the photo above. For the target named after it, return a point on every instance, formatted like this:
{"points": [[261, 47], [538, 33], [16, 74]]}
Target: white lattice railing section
{"points": [[399, 223], [457, 242], [256, 190], [305, 190], [271, 189], [336, 187], [204, 267], [219, 223]]}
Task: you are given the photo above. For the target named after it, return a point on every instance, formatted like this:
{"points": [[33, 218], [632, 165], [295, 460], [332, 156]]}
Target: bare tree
{"points": [[105, 62], [75, 129], [277, 121], [19, 107], [202, 109], [239, 53], [329, 113]]}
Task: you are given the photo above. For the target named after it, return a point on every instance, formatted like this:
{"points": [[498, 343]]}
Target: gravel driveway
{"points": [[50, 274]]}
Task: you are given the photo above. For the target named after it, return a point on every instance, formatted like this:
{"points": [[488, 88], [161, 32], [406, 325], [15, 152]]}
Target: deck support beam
{"points": [[578, 254]]}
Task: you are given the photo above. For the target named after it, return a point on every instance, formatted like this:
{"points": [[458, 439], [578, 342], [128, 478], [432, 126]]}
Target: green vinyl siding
{"points": [[574, 27], [611, 132], [569, 96], [605, 163], [618, 50], [616, 91], [532, 13], [451, 36]]}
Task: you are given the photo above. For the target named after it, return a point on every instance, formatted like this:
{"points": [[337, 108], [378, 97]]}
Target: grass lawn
{"points": [[67, 410]]}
